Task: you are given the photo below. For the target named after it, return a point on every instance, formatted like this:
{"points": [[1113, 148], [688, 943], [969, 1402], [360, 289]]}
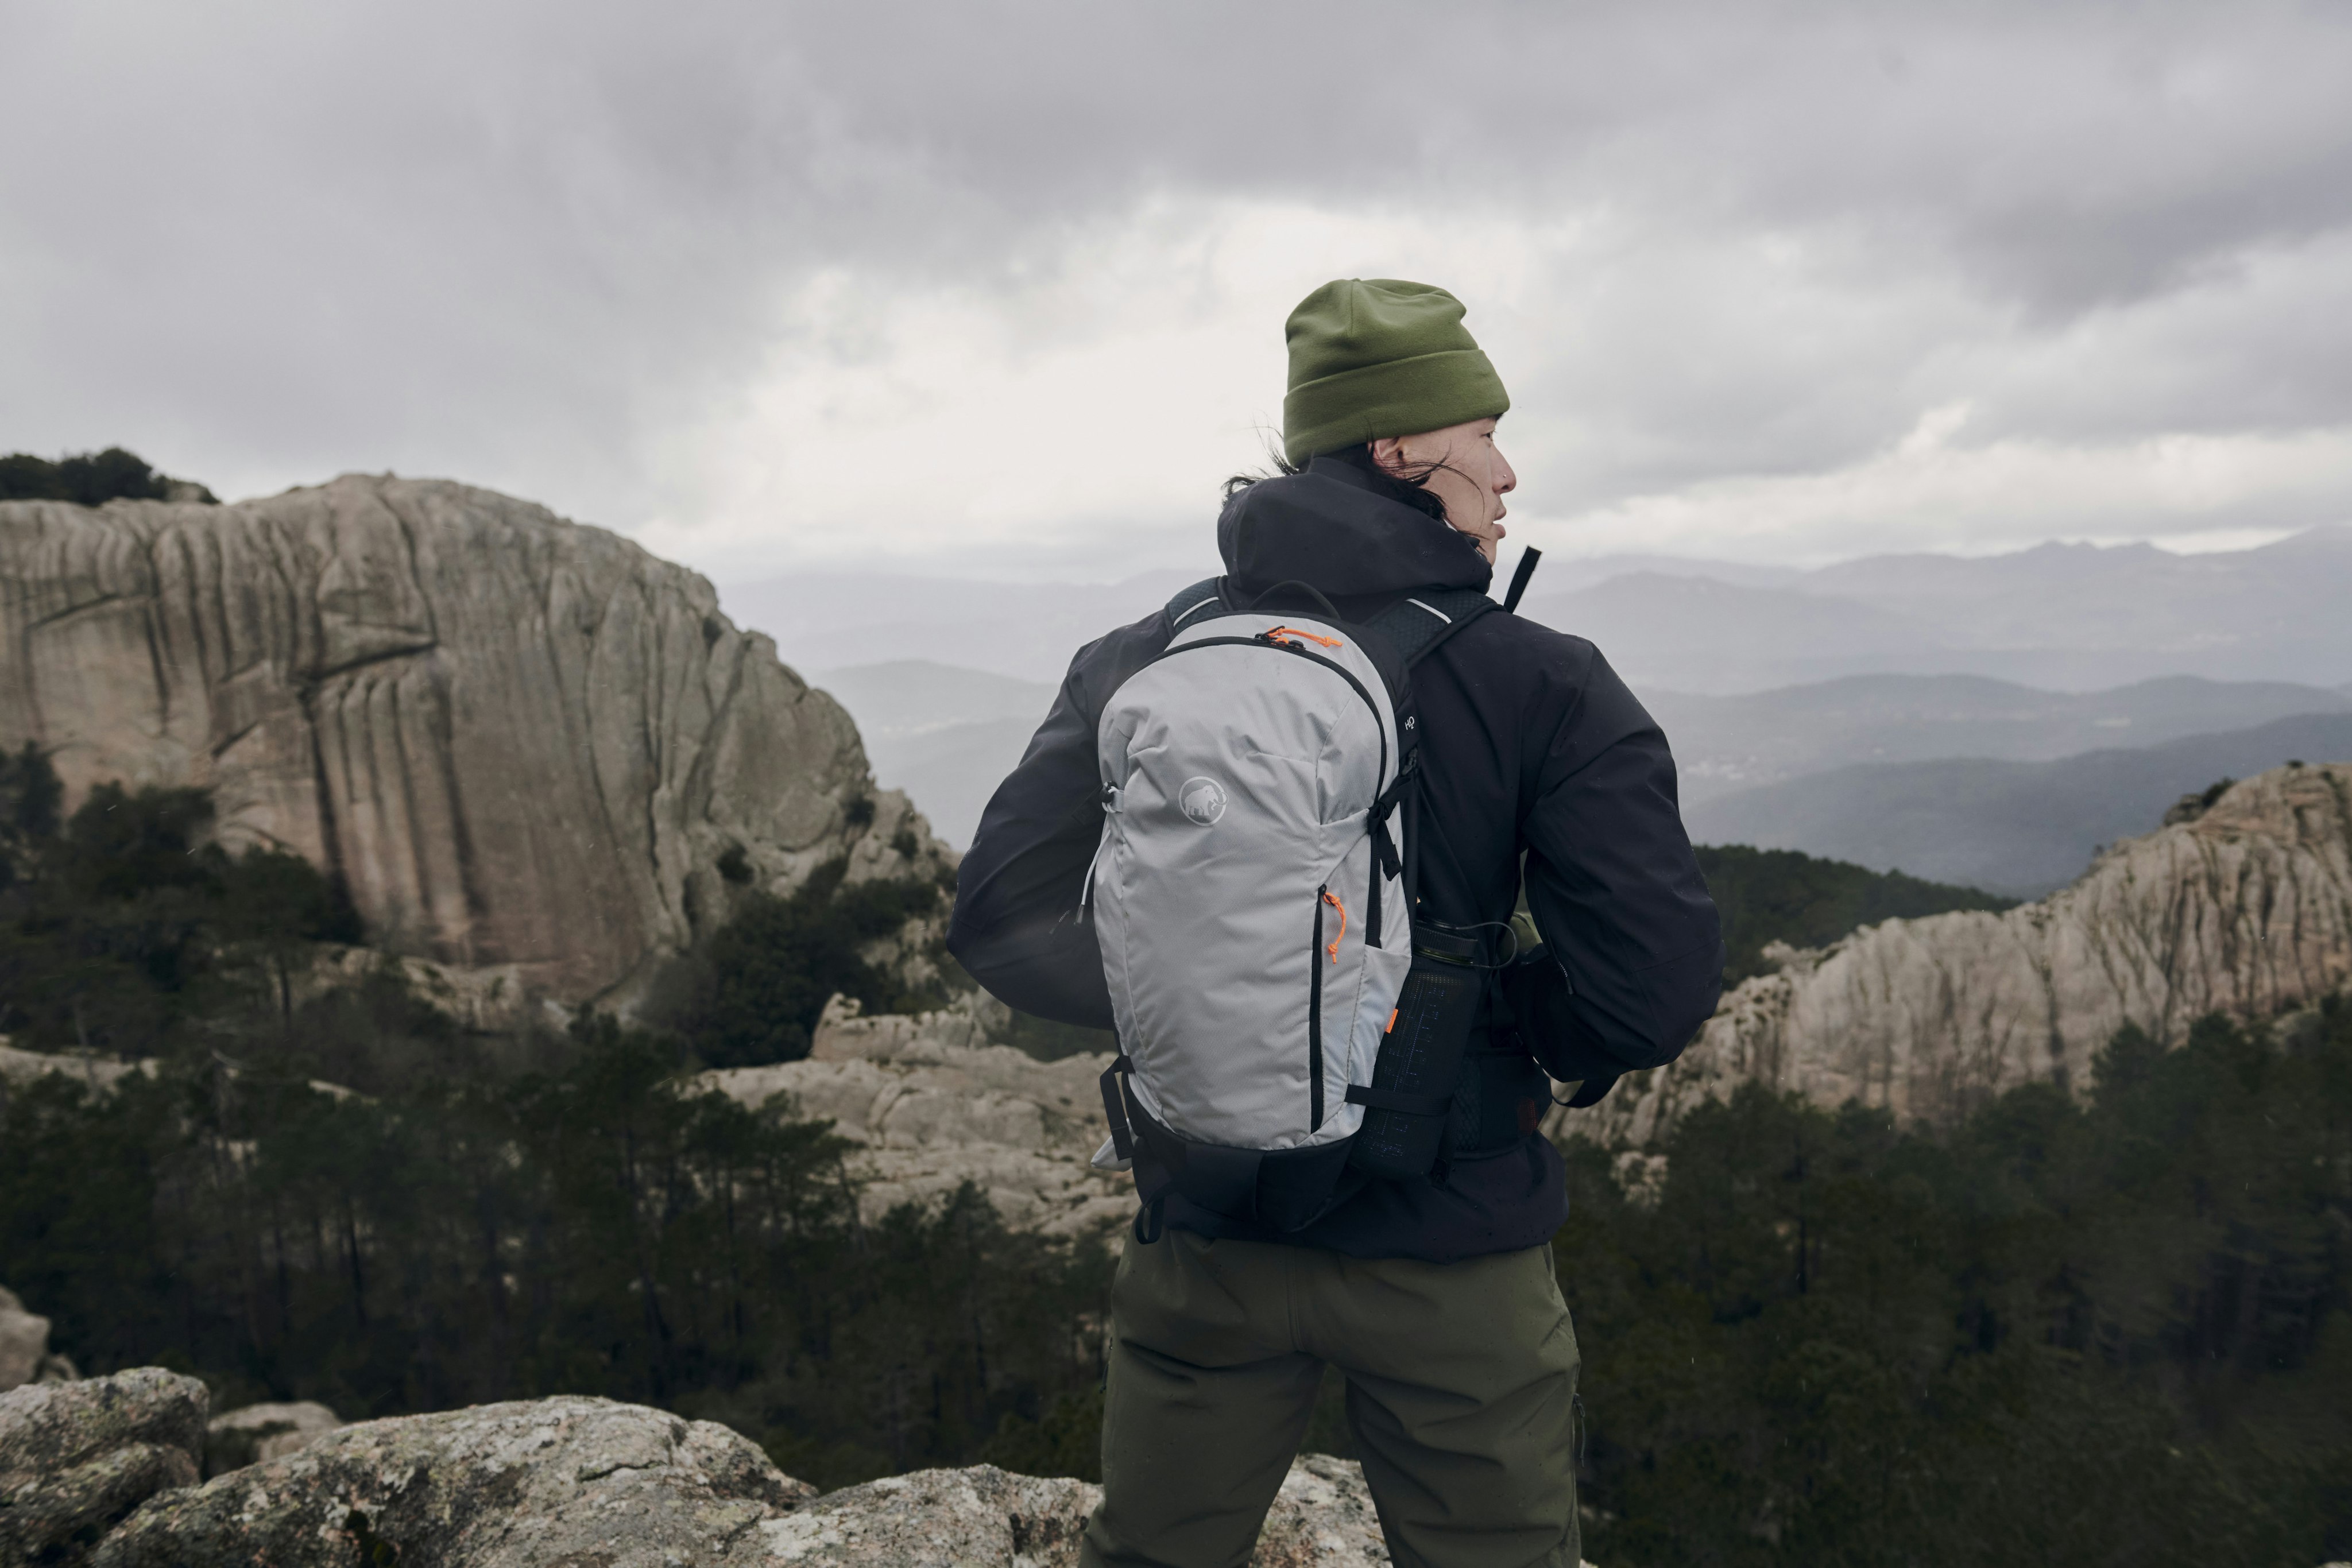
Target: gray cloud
{"points": [[270, 241]]}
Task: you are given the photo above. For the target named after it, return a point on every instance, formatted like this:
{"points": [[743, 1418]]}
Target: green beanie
{"points": [[1378, 356]]}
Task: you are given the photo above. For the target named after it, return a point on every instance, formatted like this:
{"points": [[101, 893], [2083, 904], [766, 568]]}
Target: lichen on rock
{"points": [[530, 1484], [74, 1457]]}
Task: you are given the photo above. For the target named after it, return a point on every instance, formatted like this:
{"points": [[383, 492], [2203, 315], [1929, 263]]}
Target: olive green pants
{"points": [[1461, 1392]]}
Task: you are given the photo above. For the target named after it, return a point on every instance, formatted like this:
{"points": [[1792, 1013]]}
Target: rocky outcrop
{"points": [[524, 743], [258, 1432], [928, 1104], [24, 1354], [74, 1457], [96, 1072], [2243, 907], [1322, 1518], [552, 1482], [532, 1484]]}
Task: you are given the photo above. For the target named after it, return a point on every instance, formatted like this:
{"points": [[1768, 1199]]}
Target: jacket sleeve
{"points": [[1019, 927], [1615, 890]]}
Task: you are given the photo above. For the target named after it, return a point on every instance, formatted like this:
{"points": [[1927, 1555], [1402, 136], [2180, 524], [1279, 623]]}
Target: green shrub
{"points": [[1781, 896], [123, 925], [2112, 1332], [756, 992], [89, 479]]}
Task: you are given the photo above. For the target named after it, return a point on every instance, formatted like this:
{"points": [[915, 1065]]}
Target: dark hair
{"points": [[1411, 489]]}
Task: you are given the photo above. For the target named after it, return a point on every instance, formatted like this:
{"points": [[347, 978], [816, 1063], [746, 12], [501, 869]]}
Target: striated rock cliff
{"points": [[2244, 908], [525, 743], [931, 1104]]}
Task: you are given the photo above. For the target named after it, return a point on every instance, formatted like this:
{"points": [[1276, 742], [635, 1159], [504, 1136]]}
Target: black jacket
{"points": [[1530, 746]]}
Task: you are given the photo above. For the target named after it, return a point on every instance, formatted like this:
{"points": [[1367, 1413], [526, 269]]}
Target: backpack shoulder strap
{"points": [[1197, 599], [1415, 625]]}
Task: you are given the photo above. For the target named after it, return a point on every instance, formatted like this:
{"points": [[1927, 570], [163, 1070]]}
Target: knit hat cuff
{"points": [[1398, 397]]}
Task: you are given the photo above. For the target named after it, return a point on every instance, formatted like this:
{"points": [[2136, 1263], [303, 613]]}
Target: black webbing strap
{"points": [[1526, 568], [1398, 1100], [1114, 1094], [1153, 1200]]}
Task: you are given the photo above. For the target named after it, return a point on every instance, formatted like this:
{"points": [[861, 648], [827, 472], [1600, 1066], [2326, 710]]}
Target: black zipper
{"points": [[1314, 1018], [1331, 664]]}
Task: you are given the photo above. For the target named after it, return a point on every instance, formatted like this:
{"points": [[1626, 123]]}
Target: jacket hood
{"points": [[1330, 528]]}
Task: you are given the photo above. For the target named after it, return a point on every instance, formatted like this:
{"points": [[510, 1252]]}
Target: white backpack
{"points": [[1250, 898]]}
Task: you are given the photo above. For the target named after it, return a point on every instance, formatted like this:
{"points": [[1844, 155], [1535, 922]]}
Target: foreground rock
{"points": [[525, 744], [985, 1518], [542, 1482], [261, 1432], [2245, 908], [74, 1457], [565, 1481], [930, 1104]]}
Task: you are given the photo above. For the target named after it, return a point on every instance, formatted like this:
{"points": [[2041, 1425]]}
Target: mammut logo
{"points": [[1203, 799]]}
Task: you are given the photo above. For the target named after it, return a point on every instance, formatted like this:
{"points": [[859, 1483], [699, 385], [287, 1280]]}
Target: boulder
{"points": [[526, 744], [552, 1483], [24, 1342], [261, 1432], [24, 1354], [74, 1457], [2244, 907], [532, 1484], [984, 1518], [929, 1103]]}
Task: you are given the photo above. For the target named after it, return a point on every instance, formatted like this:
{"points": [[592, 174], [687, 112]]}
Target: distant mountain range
{"points": [[2058, 617], [1909, 761], [1978, 720], [1725, 744], [2016, 828]]}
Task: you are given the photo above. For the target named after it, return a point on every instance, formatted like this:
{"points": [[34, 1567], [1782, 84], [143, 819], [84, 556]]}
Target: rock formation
{"points": [[522, 742], [930, 1104], [75, 1458], [24, 1354], [1322, 1518], [549, 1482], [2243, 907]]}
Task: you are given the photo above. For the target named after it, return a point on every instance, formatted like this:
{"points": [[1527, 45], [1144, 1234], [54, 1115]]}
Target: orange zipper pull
{"points": [[1333, 946]]}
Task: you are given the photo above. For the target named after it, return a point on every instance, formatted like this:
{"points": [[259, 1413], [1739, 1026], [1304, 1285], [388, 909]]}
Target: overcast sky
{"points": [[961, 287]]}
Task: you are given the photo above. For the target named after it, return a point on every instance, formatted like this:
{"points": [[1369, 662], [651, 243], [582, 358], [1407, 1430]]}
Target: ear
{"points": [[1388, 455]]}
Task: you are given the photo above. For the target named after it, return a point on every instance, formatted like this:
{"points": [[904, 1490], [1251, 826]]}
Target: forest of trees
{"points": [[1782, 896], [2114, 1329]]}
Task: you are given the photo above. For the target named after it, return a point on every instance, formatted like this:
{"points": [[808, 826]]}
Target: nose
{"points": [[1507, 479]]}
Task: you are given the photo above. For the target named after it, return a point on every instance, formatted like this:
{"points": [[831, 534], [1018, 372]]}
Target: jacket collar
{"points": [[1330, 528]]}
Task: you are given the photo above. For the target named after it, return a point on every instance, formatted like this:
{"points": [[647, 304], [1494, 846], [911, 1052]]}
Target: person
{"points": [[1434, 1297]]}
